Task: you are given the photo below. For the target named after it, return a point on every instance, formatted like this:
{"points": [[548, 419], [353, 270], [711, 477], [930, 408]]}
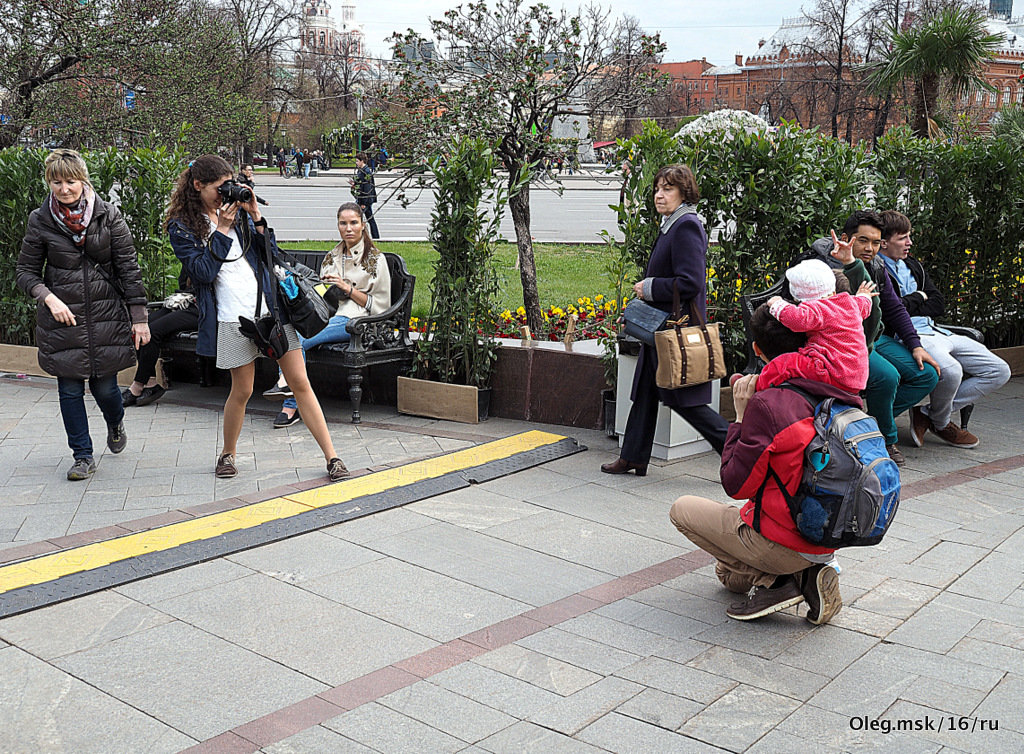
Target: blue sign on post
{"points": [[129, 99], [4, 118]]}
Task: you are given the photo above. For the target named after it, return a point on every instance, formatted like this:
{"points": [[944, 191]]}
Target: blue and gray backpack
{"points": [[850, 488]]}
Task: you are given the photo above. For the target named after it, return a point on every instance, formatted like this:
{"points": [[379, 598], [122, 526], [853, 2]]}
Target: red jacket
{"points": [[777, 426]]}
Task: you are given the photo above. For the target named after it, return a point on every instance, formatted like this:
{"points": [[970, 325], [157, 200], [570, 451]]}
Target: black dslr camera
{"points": [[233, 191]]}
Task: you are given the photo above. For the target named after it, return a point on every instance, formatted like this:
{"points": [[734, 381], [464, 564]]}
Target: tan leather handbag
{"points": [[688, 354]]}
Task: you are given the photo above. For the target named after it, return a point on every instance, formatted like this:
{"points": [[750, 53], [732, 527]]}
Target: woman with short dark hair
{"points": [[679, 260]]}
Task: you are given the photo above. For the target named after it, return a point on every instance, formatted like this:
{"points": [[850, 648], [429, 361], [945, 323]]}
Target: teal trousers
{"points": [[895, 384]]}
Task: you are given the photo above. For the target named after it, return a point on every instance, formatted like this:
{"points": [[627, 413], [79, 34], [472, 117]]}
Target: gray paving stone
{"points": [[575, 712], [302, 559], [995, 577], [383, 729], [526, 738], [677, 679], [941, 666], [474, 508], [681, 603], [191, 579], [864, 622], [447, 711], [962, 740], [1004, 703], [85, 622], [624, 734], [653, 619], [415, 598], [819, 727], [774, 634], [946, 696], [739, 718], [950, 555], [660, 708], [539, 669], [637, 641], [585, 542], [777, 742], [754, 671], [317, 740], [46, 710], [934, 628], [827, 651], [862, 690], [481, 560], [999, 633], [497, 690], [579, 651], [896, 598], [312, 634], [188, 679], [532, 483]]}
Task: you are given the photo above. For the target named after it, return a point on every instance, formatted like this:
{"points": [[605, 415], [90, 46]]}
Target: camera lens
{"points": [[231, 191]]}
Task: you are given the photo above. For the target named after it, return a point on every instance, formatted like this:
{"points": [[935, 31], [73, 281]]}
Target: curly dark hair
{"points": [[186, 204]]}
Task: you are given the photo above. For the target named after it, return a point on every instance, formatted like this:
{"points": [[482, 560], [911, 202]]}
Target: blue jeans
{"points": [[335, 332], [71, 393]]}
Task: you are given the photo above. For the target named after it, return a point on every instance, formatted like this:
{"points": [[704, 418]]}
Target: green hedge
{"points": [[771, 194], [139, 181]]}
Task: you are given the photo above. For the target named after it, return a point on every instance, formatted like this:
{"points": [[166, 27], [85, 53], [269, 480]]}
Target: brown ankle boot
{"points": [[621, 466]]}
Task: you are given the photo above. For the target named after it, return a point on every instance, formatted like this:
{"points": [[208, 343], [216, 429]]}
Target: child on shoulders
{"points": [[836, 352]]}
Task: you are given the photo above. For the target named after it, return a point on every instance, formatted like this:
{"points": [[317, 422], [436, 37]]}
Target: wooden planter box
{"points": [[438, 400]]}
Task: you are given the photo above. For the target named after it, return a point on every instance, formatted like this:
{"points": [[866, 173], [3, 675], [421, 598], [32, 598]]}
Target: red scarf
{"points": [[74, 218]]}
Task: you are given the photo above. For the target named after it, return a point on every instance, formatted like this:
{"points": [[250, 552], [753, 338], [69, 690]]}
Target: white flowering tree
{"points": [[725, 122]]}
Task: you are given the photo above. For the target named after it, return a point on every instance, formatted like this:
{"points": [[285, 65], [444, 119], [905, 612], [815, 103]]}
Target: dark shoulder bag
{"points": [[266, 331]]}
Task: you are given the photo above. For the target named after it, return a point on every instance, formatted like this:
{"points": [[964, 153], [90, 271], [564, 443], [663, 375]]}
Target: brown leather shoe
{"points": [[896, 455], [955, 436], [919, 424], [226, 466], [621, 466]]}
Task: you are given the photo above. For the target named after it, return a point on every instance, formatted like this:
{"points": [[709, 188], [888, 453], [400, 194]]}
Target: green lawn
{"points": [[564, 271]]}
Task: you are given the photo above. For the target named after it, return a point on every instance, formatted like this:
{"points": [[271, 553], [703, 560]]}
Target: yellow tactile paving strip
{"points": [[50, 567]]}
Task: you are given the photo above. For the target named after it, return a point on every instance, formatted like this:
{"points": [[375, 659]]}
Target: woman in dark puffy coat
{"points": [[78, 262]]}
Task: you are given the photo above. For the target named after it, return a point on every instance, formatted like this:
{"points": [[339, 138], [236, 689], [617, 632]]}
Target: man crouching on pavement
{"points": [[776, 568]]}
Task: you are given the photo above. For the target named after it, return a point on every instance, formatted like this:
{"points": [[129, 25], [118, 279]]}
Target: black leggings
{"points": [[163, 323]]}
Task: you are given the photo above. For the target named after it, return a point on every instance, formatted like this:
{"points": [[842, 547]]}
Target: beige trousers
{"points": [[745, 558]]}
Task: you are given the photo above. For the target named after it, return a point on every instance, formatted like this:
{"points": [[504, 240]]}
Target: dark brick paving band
{"points": [[310, 712]]}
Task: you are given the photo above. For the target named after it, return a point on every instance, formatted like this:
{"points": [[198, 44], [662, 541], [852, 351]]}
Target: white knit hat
{"points": [[810, 280]]}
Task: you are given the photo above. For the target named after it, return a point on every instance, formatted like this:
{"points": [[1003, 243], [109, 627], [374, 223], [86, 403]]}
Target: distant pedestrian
{"points": [[300, 159], [282, 163], [78, 262], [365, 191]]}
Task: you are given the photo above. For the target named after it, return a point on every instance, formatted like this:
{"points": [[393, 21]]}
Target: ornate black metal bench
{"points": [[375, 340]]}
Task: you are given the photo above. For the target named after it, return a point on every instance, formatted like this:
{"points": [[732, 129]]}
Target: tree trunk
{"points": [[519, 203], [926, 93]]}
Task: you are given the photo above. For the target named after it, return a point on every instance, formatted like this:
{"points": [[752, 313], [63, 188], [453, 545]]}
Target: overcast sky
{"points": [[715, 29]]}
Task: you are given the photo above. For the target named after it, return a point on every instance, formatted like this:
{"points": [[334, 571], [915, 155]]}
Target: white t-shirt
{"points": [[235, 286]]}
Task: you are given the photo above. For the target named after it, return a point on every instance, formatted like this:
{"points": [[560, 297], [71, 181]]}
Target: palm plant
{"points": [[1009, 122], [948, 49]]}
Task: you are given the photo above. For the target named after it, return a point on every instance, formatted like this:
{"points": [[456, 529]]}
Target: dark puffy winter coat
{"points": [[100, 341]]}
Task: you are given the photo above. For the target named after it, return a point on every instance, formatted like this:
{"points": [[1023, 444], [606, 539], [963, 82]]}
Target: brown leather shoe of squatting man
{"points": [[919, 424], [896, 455], [621, 466], [820, 587], [958, 438], [764, 600]]}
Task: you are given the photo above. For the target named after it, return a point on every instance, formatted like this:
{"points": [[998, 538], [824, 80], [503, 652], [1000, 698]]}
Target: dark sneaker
{"points": [[150, 395], [83, 468], [820, 587], [896, 455], [958, 438], [226, 466], [128, 398], [919, 424], [117, 439], [763, 600], [278, 392], [283, 420], [336, 470]]}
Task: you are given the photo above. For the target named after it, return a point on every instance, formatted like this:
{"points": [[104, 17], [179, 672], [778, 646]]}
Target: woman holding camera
{"points": [[220, 249], [359, 284], [78, 262]]}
